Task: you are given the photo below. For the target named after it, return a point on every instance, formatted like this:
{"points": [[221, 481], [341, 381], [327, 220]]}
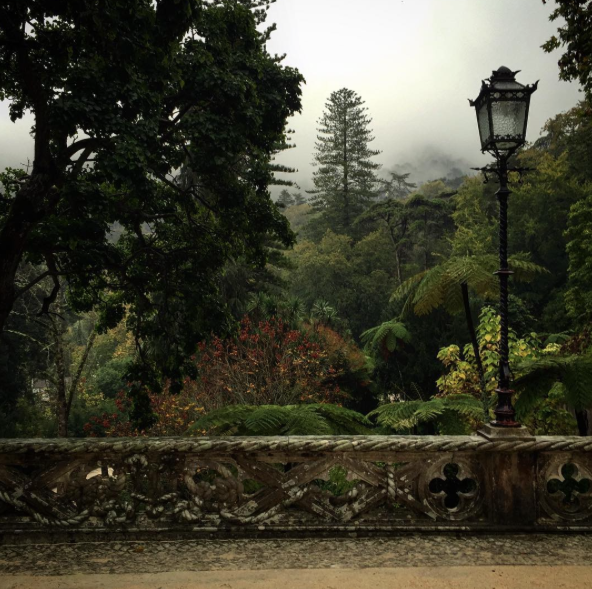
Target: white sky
{"points": [[414, 62]]}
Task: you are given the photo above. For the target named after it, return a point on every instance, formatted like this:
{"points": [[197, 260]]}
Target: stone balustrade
{"points": [[189, 487]]}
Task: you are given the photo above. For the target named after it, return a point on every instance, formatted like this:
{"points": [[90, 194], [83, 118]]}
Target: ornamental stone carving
{"points": [[337, 484], [565, 487]]}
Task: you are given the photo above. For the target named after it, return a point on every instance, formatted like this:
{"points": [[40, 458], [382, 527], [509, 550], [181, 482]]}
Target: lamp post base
{"points": [[505, 415], [492, 432], [504, 424]]}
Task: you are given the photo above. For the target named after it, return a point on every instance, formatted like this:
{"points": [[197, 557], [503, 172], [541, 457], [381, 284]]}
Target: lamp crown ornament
{"points": [[503, 73]]}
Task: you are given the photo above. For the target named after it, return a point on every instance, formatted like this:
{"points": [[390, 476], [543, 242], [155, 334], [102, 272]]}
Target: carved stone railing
{"points": [[292, 485]]}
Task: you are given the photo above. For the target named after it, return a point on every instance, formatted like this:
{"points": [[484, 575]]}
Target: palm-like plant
{"points": [[450, 414], [442, 285], [275, 420], [323, 312], [386, 337], [572, 373]]}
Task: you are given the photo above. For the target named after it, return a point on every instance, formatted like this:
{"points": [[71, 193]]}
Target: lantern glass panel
{"points": [[508, 119], [483, 120]]}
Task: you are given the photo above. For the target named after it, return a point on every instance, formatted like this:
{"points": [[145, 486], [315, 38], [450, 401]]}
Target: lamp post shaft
{"points": [[504, 412]]}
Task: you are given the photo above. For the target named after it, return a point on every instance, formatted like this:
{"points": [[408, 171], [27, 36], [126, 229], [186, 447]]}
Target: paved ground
{"points": [[426, 561], [385, 578]]}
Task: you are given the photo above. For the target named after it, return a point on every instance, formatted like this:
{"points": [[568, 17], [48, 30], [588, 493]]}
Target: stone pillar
{"points": [[511, 480]]}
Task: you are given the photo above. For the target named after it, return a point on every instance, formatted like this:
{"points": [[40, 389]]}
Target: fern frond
{"points": [[431, 291], [305, 421], [525, 270], [222, 421], [538, 376], [577, 382], [406, 414], [392, 414], [466, 405], [406, 289], [344, 421], [267, 420], [476, 272], [429, 410], [388, 334], [317, 419]]}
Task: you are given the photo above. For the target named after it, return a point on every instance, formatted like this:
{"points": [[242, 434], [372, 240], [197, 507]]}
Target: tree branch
{"points": [[74, 384], [53, 272], [31, 284]]}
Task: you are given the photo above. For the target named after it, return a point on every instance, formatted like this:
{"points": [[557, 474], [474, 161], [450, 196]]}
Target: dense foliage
{"points": [[149, 285], [123, 96]]}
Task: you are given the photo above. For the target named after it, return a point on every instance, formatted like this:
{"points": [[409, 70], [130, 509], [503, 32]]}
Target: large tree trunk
{"points": [[64, 393], [583, 422], [24, 214], [62, 409], [35, 199], [473, 335]]}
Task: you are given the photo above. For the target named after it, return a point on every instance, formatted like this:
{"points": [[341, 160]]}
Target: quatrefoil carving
{"points": [[566, 490], [452, 488]]}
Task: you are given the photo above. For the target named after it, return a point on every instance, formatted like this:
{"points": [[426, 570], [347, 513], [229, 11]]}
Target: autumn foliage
{"points": [[175, 413], [267, 363]]}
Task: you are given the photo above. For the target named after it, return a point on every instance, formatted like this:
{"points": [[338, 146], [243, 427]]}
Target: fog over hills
{"points": [[415, 63]]}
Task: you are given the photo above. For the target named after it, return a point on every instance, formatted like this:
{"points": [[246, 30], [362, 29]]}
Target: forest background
{"points": [[159, 289]]}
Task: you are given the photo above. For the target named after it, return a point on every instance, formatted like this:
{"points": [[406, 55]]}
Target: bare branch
{"points": [[53, 272], [31, 284], [74, 384]]}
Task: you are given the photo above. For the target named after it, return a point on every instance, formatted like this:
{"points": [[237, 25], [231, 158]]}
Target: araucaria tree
{"points": [[345, 179]]}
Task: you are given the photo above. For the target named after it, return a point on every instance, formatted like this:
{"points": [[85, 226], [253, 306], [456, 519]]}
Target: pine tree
{"points": [[345, 180], [299, 199], [398, 187], [285, 199]]}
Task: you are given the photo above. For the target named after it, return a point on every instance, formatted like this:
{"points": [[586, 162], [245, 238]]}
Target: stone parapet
{"points": [[331, 485]]}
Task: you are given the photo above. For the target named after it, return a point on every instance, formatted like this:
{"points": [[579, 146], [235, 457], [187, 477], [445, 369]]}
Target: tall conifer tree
{"points": [[345, 179]]}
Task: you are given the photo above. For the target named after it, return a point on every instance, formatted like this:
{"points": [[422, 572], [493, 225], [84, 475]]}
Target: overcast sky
{"points": [[414, 62]]}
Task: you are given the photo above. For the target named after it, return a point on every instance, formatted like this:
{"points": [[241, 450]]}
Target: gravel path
{"points": [[235, 555]]}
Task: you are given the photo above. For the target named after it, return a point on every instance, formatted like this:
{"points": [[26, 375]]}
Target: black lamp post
{"points": [[502, 115]]}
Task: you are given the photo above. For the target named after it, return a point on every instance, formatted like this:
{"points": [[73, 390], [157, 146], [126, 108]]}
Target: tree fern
{"points": [[448, 285], [449, 414], [313, 419], [440, 286], [538, 376], [305, 421], [387, 336], [266, 420], [344, 421]]}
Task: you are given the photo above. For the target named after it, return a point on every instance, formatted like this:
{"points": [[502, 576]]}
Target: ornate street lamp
{"points": [[502, 115]]}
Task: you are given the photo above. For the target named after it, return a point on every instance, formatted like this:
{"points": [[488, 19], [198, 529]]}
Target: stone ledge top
{"points": [[292, 444]]}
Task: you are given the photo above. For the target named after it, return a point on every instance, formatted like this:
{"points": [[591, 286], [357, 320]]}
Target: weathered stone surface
{"points": [[136, 488]]}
